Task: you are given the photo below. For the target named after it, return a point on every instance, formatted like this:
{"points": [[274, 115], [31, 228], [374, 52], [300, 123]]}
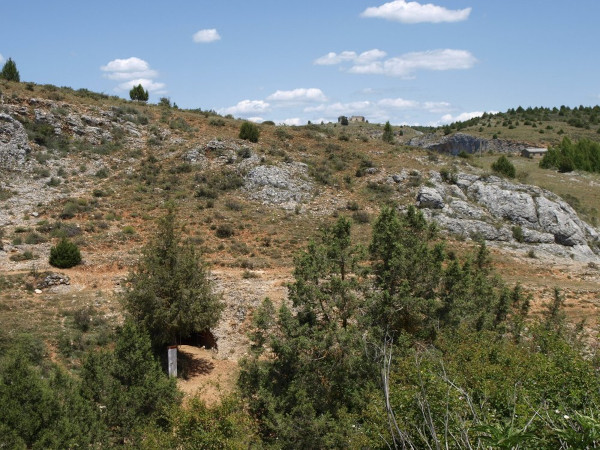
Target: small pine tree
{"points": [[65, 254], [10, 72], [138, 93], [388, 133], [249, 132]]}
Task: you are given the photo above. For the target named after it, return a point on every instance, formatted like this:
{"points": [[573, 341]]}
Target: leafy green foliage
{"points": [[170, 293], [41, 405], [388, 133], [10, 72], [65, 254], [311, 392], [138, 93], [567, 156], [249, 131], [504, 167], [225, 425], [128, 383]]}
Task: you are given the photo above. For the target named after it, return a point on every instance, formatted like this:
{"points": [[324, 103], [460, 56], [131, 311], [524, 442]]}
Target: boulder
{"points": [[518, 207], [429, 198], [561, 221]]}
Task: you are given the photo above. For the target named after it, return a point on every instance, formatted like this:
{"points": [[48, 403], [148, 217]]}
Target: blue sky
{"points": [[290, 62]]}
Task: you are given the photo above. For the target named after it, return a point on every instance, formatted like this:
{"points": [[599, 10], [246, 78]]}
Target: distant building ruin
{"points": [[353, 119], [533, 152]]}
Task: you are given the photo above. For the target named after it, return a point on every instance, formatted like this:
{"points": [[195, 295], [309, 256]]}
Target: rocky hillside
{"points": [[99, 170]]}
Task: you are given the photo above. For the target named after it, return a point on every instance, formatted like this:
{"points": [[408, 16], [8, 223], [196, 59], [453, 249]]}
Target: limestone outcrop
{"points": [[497, 210], [463, 142], [14, 145]]}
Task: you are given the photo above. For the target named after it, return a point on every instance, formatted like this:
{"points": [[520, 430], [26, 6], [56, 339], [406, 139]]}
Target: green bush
{"points": [[225, 231], [504, 167], [517, 233], [65, 254], [249, 132]]}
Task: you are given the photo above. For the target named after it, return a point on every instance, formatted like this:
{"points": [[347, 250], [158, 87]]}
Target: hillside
{"points": [[100, 170]]}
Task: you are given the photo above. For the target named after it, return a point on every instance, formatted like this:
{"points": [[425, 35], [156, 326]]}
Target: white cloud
{"points": [[370, 56], [398, 103], [131, 72], [246, 107], [122, 69], [436, 107], [205, 36], [414, 12], [333, 58], [149, 85], [449, 118], [298, 95], [256, 119], [406, 65], [335, 109], [1, 58], [293, 121]]}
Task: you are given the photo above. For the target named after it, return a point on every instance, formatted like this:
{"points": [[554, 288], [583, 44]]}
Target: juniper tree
{"points": [[138, 93], [388, 133], [10, 72], [170, 292]]}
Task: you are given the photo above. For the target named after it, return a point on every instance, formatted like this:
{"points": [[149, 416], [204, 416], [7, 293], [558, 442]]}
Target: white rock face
{"points": [[14, 145], [285, 185], [491, 207]]}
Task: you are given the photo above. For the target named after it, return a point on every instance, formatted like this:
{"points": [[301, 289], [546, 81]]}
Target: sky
{"points": [[409, 62]]}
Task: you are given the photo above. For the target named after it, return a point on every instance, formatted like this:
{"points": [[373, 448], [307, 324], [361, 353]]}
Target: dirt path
{"points": [[207, 376]]}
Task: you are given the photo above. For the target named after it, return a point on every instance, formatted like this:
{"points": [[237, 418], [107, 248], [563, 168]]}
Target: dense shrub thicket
{"points": [[400, 344], [569, 156], [403, 345]]}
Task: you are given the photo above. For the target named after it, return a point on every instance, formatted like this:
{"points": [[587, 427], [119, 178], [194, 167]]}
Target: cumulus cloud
{"points": [[206, 36], [1, 58], [127, 69], [333, 58], [406, 65], [151, 86], [247, 107], [298, 95], [131, 72], [414, 12]]}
